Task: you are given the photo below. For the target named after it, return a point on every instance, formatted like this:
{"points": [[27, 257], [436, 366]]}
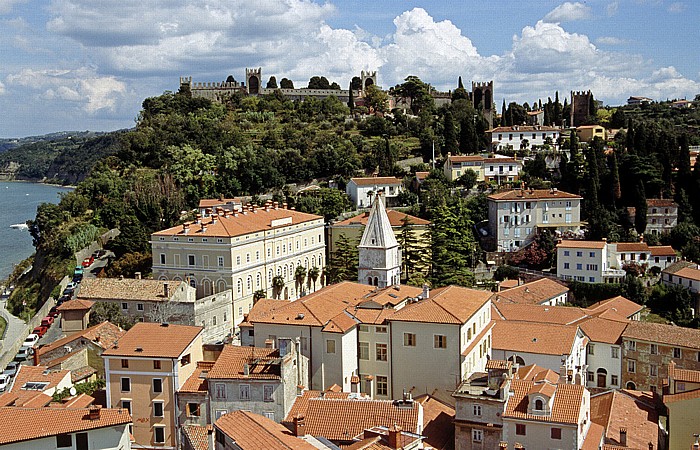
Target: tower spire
{"points": [[380, 254]]}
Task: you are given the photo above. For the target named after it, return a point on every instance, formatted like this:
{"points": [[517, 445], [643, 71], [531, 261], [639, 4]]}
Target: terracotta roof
{"points": [[82, 373], [340, 323], [689, 395], [692, 376], [371, 181], [616, 409], [196, 436], [421, 175], [24, 424], [79, 401], [531, 194], [449, 305], [104, 335], [126, 289], [260, 309], [476, 340], [603, 330], [301, 403], [342, 419], [498, 364], [38, 374], [593, 437], [572, 243], [523, 129], [390, 296], [371, 315], [562, 315], [678, 265], [632, 247], [197, 382], [212, 202], [621, 305], [251, 432], [535, 292], [662, 250], [465, 158], [690, 273], [154, 340], [661, 202], [566, 406], [530, 371], [240, 224], [531, 337], [75, 305], [315, 309], [395, 218], [507, 284], [233, 359], [663, 334], [543, 387], [438, 422]]}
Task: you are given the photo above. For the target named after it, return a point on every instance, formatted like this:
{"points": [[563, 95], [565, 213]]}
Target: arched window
{"points": [[249, 284], [518, 360], [369, 281], [631, 386], [206, 287], [239, 286], [306, 263], [220, 286], [269, 277], [313, 261], [539, 405], [247, 257], [193, 282], [257, 280], [285, 272], [376, 281]]}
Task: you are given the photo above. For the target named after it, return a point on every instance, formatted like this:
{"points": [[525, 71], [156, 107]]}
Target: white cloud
{"points": [[611, 8], [2, 88], [611, 40], [676, 7], [568, 12]]}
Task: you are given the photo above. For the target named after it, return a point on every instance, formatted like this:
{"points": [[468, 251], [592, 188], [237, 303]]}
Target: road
{"points": [[14, 331]]}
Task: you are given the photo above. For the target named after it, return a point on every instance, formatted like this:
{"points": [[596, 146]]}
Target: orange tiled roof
{"points": [[105, 334], [692, 376], [196, 435], [661, 202], [154, 340], [391, 296], [535, 292], [231, 363], [371, 181], [621, 305], [212, 202], [573, 243], [197, 382], [25, 424], [449, 305], [79, 401], [593, 437], [662, 250], [531, 194], [240, 224], [688, 395], [531, 337], [39, 374], [498, 364], [126, 289], [438, 421], [663, 334], [395, 219], [75, 305], [566, 405], [603, 330], [260, 309], [371, 315], [616, 409], [632, 247], [340, 323], [690, 273], [678, 265], [523, 129], [465, 158], [251, 432], [562, 315], [301, 404], [507, 284]]}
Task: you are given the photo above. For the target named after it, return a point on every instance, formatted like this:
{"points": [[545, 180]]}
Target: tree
{"points": [[277, 285], [416, 92], [467, 180], [272, 83], [299, 277], [460, 92], [454, 248], [342, 265], [109, 311], [351, 99], [377, 100], [313, 275], [449, 134], [640, 211], [356, 83], [412, 253], [468, 139], [319, 83], [286, 83]]}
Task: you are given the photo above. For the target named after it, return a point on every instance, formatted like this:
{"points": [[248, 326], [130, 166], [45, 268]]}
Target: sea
{"points": [[18, 203]]}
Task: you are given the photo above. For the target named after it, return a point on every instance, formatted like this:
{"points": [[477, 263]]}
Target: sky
{"points": [[76, 65]]}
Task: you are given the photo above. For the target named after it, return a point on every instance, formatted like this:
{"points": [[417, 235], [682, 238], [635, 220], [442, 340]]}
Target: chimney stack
{"points": [[623, 436], [269, 343], [426, 291], [394, 437], [94, 413], [562, 374], [210, 436], [246, 369], [299, 425], [137, 275]]}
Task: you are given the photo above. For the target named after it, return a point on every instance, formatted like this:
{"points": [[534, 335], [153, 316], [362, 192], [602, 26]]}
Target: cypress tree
{"points": [[640, 212], [450, 134], [503, 113], [683, 164], [459, 83], [351, 99], [468, 140], [615, 174], [557, 110]]}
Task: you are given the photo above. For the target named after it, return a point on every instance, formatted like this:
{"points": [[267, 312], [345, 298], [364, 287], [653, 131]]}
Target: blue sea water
{"points": [[18, 203]]}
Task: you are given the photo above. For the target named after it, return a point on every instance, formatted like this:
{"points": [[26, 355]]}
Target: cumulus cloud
{"points": [[611, 40], [568, 12], [80, 86]]}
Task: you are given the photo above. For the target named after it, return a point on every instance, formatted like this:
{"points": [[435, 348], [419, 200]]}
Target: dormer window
{"points": [[539, 405]]}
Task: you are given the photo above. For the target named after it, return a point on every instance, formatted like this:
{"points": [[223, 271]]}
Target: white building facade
{"points": [[361, 190]]}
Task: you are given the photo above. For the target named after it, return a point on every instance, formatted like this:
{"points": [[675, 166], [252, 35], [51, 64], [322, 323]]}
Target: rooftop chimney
{"points": [[299, 425], [137, 275], [166, 290], [94, 413], [269, 343], [426, 291], [623, 436], [246, 369], [562, 374], [394, 437]]}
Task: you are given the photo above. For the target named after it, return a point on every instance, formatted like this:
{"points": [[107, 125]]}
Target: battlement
{"points": [[581, 93], [185, 80], [249, 72], [482, 84]]}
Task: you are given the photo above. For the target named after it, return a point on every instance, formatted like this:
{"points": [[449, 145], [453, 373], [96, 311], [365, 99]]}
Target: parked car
{"points": [[11, 369], [30, 340], [4, 382], [40, 330], [23, 353], [47, 321], [68, 293], [72, 285], [78, 270], [87, 262], [77, 278], [62, 299], [99, 253], [53, 312]]}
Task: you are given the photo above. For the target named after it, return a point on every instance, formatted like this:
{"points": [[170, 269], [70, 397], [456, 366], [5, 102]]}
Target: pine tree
{"points": [[503, 114], [683, 164], [459, 83], [615, 175], [342, 265], [412, 254]]}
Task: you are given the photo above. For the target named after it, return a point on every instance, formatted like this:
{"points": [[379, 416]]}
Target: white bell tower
{"points": [[380, 254]]}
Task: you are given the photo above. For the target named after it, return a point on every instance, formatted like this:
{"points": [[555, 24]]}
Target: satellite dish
{"points": [[73, 391]]}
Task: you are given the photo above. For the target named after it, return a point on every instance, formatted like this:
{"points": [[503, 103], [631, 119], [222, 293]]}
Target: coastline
{"points": [[66, 186]]}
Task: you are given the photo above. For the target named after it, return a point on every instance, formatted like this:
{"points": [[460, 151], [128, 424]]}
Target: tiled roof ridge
{"points": [[441, 293], [248, 415]]}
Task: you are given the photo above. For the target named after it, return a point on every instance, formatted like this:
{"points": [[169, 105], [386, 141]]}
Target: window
{"points": [[158, 409], [139, 306], [579, 266], [632, 345], [220, 412], [243, 392], [476, 409], [268, 389], [520, 429], [193, 410], [590, 376], [613, 380], [162, 258], [380, 329], [591, 349], [654, 349], [555, 433], [614, 352], [125, 363], [220, 261], [566, 265], [126, 404], [631, 366], [676, 352], [363, 350], [409, 340], [220, 391], [159, 435], [64, 440], [477, 435], [439, 341], [363, 328], [157, 385], [185, 360], [382, 386], [539, 405], [381, 352], [653, 370], [566, 253], [125, 306], [579, 254], [126, 384], [190, 260], [156, 364], [330, 345]]}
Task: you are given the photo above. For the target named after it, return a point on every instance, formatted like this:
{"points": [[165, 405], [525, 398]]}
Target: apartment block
{"points": [[662, 215], [682, 400], [520, 136], [497, 169], [361, 190], [586, 261]]}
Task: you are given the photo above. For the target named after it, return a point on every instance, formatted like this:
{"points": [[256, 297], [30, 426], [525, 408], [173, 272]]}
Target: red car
{"points": [[40, 330], [47, 321], [87, 262]]}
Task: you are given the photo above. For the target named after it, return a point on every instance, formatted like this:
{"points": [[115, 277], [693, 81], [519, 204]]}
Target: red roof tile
{"points": [[449, 305], [197, 436], [197, 382], [535, 292], [534, 194], [105, 335], [621, 305], [154, 340], [75, 305], [233, 359], [252, 432], [616, 409], [566, 406], [531, 337], [663, 334], [371, 181]]}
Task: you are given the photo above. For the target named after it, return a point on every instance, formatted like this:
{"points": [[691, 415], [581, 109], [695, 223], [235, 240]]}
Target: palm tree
{"points": [[257, 295], [277, 285], [299, 276], [314, 272]]}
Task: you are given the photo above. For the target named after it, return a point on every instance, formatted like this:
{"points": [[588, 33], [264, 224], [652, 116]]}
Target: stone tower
{"points": [[482, 98], [580, 107], [368, 79], [380, 254], [253, 80]]}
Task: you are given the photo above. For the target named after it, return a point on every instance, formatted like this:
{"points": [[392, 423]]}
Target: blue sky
{"points": [[88, 65]]}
